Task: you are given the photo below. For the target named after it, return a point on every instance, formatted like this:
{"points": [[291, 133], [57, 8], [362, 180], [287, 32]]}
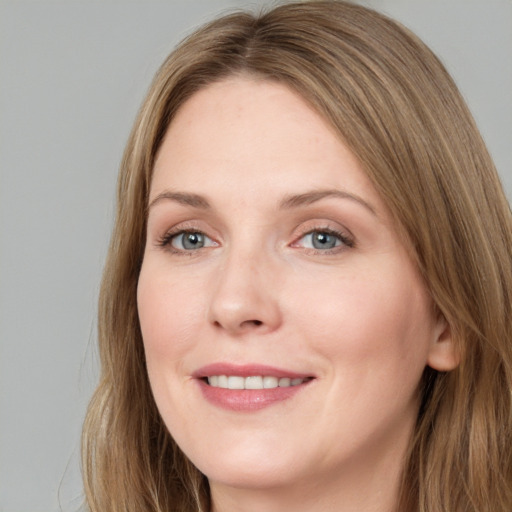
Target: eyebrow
{"points": [[292, 201], [185, 198], [307, 198]]}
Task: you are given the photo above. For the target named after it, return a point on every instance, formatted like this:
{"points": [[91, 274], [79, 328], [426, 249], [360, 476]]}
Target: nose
{"points": [[245, 296]]}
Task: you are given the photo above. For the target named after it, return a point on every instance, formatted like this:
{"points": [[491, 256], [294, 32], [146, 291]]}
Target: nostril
{"points": [[255, 323]]}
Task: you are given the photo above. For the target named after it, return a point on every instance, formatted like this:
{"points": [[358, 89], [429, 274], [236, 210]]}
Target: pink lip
{"points": [[246, 370], [247, 400]]}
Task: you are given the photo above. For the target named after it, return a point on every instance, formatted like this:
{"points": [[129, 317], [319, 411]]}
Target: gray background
{"points": [[72, 74]]}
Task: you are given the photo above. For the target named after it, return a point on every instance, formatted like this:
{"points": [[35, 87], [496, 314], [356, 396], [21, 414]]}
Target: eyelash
{"points": [[166, 240], [346, 241]]}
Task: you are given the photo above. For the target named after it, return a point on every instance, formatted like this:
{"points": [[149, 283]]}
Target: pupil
{"points": [[193, 241], [323, 241]]}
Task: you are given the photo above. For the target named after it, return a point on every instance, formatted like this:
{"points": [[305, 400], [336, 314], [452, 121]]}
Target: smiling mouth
{"points": [[255, 382], [250, 387]]}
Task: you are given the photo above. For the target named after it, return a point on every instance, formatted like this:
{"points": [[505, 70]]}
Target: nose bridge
{"points": [[244, 297]]}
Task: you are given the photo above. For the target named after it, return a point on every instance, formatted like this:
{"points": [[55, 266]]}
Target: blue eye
{"points": [[323, 240], [190, 240]]}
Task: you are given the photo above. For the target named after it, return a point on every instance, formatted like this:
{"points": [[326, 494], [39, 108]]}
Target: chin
{"points": [[253, 476], [252, 466]]}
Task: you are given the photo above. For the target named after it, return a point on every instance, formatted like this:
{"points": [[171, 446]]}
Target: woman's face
{"points": [[272, 263]]}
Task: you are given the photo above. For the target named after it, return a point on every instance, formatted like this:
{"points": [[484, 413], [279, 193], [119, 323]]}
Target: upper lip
{"points": [[246, 370]]}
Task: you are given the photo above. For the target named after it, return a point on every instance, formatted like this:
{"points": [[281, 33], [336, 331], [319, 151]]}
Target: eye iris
{"points": [[323, 240], [192, 240]]}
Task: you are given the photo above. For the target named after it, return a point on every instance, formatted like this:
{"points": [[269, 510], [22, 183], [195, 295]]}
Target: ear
{"points": [[444, 352]]}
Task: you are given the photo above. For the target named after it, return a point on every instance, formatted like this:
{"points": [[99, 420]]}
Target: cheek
{"points": [[363, 321], [167, 315]]}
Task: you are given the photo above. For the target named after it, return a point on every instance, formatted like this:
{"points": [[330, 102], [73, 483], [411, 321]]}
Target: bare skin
{"points": [[268, 247]]}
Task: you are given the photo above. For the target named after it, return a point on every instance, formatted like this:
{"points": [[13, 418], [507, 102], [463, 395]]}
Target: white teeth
{"points": [[235, 382], [270, 382], [252, 382]]}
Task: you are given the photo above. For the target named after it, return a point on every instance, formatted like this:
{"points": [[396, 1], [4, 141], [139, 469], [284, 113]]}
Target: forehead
{"points": [[242, 108], [255, 135]]}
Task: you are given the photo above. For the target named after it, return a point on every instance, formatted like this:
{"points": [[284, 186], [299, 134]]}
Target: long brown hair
{"points": [[395, 106]]}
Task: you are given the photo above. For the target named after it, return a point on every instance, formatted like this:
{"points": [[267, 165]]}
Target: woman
{"points": [[306, 303]]}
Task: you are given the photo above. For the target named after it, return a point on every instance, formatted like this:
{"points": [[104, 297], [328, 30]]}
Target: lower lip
{"points": [[248, 399]]}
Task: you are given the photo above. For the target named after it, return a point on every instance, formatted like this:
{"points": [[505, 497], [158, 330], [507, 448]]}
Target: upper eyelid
{"points": [[303, 228], [173, 232], [164, 224], [344, 238], [323, 225], [193, 225]]}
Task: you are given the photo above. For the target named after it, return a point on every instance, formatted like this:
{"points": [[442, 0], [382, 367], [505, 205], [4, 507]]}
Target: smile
{"points": [[249, 387], [253, 381]]}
